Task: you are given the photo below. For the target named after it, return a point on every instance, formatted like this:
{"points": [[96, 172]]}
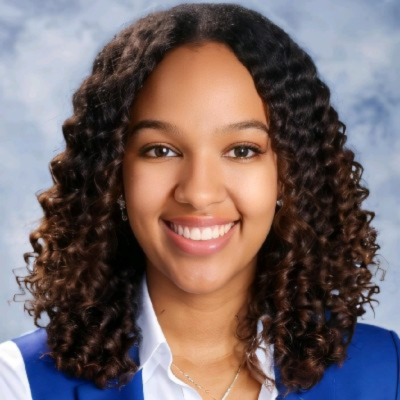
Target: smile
{"points": [[201, 233], [198, 240]]}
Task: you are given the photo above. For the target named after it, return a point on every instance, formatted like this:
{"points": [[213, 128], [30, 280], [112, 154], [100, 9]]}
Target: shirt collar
{"points": [[154, 349]]}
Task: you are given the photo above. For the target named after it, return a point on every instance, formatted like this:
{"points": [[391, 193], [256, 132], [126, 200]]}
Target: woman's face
{"points": [[199, 165]]}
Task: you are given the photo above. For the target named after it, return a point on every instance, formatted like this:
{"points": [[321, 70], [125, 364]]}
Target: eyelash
{"points": [[144, 152]]}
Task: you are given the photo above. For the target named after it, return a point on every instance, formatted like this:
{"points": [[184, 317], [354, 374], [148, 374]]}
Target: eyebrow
{"points": [[171, 128]]}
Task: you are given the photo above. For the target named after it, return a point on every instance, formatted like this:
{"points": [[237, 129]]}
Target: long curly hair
{"points": [[313, 274]]}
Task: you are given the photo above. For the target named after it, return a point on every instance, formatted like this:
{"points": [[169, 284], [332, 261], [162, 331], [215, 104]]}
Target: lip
{"points": [[198, 247], [194, 221]]}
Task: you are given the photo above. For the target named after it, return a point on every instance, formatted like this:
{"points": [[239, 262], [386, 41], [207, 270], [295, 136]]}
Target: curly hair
{"points": [[313, 273]]}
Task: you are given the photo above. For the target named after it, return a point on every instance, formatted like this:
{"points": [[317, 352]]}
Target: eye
{"points": [[158, 151], [244, 151]]}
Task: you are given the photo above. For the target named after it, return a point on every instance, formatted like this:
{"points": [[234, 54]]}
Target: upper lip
{"points": [[195, 221]]}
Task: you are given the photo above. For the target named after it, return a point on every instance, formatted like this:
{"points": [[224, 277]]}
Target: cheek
{"points": [[257, 194], [145, 192]]}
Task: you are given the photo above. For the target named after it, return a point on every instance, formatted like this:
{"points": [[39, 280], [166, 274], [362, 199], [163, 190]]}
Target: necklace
{"points": [[226, 394]]}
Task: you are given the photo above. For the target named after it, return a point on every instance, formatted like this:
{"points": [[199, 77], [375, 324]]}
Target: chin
{"points": [[199, 289], [202, 283]]}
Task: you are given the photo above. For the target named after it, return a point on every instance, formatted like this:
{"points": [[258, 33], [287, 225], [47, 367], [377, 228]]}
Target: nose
{"points": [[201, 182]]}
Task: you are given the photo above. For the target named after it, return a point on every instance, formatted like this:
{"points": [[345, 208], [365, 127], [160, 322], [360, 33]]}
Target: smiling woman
{"points": [[204, 237]]}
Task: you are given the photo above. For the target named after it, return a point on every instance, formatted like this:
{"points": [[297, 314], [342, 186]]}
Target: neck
{"points": [[200, 327]]}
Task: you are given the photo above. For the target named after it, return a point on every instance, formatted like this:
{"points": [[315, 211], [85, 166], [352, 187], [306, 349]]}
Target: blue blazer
{"points": [[370, 372]]}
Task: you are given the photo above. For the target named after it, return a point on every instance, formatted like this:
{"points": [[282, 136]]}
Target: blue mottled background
{"points": [[47, 47]]}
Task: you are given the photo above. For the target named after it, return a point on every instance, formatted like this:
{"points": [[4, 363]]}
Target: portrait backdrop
{"points": [[47, 48]]}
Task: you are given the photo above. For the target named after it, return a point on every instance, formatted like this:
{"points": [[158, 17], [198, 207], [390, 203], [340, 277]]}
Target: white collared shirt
{"points": [[155, 358]]}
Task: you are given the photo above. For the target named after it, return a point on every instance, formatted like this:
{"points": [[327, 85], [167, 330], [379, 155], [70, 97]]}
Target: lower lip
{"points": [[199, 247]]}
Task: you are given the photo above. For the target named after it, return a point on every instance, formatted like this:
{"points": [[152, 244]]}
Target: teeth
{"points": [[207, 233], [215, 232], [195, 234]]}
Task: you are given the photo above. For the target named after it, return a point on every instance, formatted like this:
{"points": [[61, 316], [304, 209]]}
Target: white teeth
{"points": [[215, 232], [206, 233], [195, 234], [186, 233]]}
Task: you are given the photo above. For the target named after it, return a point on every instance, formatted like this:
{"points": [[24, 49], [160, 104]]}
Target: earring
{"points": [[279, 202], [122, 207]]}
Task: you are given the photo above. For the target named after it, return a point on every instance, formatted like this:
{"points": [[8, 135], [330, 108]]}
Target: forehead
{"points": [[203, 84]]}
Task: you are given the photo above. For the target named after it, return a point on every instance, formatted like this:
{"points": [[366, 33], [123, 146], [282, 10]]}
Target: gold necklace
{"points": [[226, 394]]}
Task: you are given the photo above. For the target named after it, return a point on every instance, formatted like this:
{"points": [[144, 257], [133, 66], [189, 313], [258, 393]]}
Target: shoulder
{"points": [[365, 332], [40, 367], [32, 345], [378, 346], [371, 370], [372, 367]]}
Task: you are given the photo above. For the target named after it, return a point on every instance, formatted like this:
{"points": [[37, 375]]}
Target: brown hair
{"points": [[312, 278]]}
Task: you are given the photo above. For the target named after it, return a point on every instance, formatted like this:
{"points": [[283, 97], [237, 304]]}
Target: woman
{"points": [[204, 236]]}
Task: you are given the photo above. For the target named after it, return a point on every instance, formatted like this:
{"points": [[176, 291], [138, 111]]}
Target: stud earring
{"points": [[122, 207], [279, 202]]}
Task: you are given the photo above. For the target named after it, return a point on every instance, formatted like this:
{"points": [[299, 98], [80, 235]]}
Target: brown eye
{"points": [[161, 151], [244, 152], [241, 151], [158, 151]]}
